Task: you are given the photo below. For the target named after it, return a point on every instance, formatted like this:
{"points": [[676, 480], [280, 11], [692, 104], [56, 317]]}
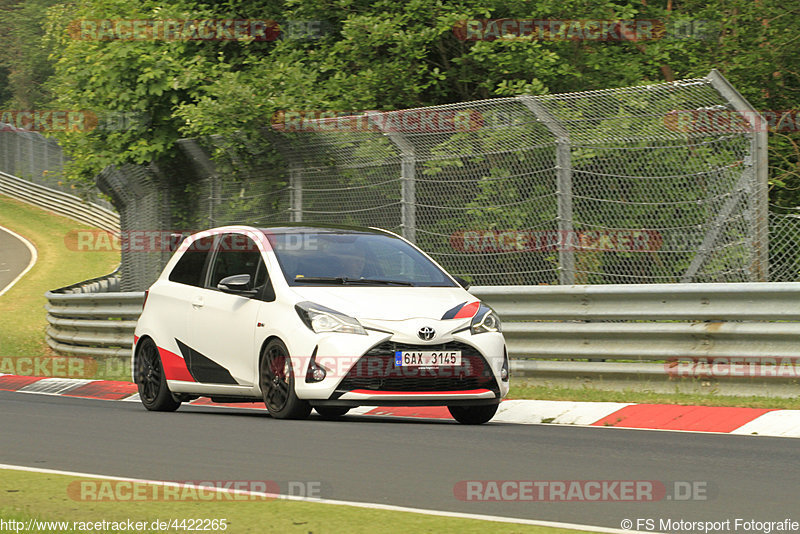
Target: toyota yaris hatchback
{"points": [[306, 317]]}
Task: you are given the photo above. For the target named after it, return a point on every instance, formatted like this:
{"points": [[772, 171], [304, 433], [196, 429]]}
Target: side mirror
{"points": [[463, 283], [238, 284]]}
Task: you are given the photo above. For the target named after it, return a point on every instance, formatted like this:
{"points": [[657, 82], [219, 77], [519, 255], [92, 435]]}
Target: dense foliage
{"points": [[365, 54]]}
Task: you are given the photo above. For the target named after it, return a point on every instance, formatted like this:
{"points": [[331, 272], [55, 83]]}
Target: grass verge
{"points": [[22, 307], [46, 497]]}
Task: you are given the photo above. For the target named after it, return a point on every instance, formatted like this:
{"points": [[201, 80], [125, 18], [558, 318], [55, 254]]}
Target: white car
{"points": [[318, 317]]}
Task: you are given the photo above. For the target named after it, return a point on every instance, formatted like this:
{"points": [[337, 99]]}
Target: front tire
{"points": [[151, 380], [473, 415], [277, 383]]}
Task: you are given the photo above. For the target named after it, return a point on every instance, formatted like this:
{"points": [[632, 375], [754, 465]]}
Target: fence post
{"points": [[566, 256], [408, 188], [3, 149], [31, 164], [203, 163], [18, 170], [44, 158], [759, 201], [295, 193]]}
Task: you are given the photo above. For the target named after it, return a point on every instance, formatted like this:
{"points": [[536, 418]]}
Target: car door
{"points": [[173, 302], [222, 325]]}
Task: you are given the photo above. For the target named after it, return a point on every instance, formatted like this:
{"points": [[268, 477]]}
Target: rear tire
{"points": [[277, 383], [331, 412], [473, 415], [151, 380]]}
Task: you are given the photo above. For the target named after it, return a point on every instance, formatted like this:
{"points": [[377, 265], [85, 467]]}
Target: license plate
{"points": [[427, 358]]}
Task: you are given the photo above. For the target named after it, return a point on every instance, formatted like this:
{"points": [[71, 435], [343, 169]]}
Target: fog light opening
{"points": [[317, 373]]}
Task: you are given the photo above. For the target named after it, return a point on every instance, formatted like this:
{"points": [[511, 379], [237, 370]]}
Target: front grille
{"points": [[376, 371]]}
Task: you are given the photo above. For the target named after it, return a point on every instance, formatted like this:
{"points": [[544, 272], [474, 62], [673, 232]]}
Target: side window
{"points": [[189, 269], [237, 254]]}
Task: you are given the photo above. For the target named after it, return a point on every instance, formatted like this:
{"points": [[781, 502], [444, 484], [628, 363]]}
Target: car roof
{"points": [[300, 228]]}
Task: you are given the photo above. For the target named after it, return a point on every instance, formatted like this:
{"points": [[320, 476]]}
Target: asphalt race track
{"points": [[14, 258], [406, 463]]}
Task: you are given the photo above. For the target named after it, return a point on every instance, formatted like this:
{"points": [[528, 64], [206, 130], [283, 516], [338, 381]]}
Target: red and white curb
{"points": [[749, 421]]}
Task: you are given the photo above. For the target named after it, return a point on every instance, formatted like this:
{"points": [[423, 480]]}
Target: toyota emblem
{"points": [[426, 333]]}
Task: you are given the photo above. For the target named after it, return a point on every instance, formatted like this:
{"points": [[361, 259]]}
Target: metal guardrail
{"points": [[59, 202], [650, 322], [622, 330], [108, 283], [749, 301], [92, 324], [711, 332]]}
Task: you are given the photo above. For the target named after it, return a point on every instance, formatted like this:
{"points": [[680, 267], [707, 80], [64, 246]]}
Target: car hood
{"points": [[387, 303]]}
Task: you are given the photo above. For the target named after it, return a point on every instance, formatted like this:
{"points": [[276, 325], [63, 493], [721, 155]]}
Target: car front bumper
{"points": [[371, 378]]}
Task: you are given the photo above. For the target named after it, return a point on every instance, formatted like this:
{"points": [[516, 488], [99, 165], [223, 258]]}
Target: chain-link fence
{"points": [[625, 185], [31, 156], [597, 187], [144, 211], [784, 245]]}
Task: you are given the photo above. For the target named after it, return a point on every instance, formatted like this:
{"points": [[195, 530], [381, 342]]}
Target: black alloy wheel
{"points": [[151, 380], [277, 383]]}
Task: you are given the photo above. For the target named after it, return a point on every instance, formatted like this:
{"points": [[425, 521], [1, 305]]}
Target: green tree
{"points": [[392, 55], [24, 64]]}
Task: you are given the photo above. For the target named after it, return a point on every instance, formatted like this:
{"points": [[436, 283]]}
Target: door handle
{"points": [[197, 302]]}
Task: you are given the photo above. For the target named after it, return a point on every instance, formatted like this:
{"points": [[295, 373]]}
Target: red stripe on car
{"points": [[174, 366], [468, 311], [461, 392]]}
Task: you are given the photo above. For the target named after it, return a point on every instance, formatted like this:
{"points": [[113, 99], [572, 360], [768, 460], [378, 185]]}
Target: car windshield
{"points": [[353, 259]]}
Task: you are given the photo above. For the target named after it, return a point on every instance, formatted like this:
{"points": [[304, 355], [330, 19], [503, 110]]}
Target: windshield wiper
{"points": [[367, 281], [349, 281], [320, 280]]}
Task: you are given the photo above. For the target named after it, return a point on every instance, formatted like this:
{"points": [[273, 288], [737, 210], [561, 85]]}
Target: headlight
{"points": [[486, 320], [321, 319]]}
